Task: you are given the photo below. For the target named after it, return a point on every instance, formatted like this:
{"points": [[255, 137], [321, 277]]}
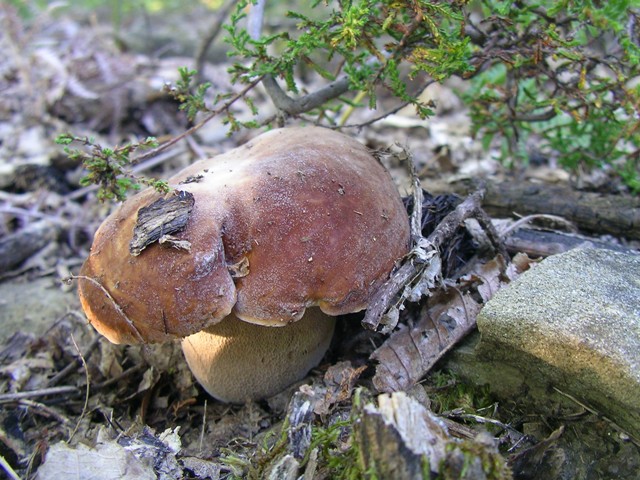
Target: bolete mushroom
{"points": [[295, 227]]}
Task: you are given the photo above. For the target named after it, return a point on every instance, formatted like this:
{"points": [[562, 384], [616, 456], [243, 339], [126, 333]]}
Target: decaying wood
{"points": [[163, 217], [542, 243], [400, 438], [423, 263], [592, 212], [446, 317], [19, 246], [300, 415]]}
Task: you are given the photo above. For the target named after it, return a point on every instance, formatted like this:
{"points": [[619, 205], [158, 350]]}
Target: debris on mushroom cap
{"points": [[237, 361], [297, 217]]}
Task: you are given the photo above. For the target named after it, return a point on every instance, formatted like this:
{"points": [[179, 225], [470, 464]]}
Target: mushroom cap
{"points": [[297, 217], [237, 361]]}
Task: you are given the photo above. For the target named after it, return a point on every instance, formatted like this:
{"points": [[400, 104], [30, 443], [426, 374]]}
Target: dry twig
{"points": [[87, 390], [42, 392], [71, 367]]}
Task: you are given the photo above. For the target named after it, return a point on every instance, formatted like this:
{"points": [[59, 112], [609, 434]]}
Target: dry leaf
{"points": [[107, 461], [447, 316], [340, 380]]}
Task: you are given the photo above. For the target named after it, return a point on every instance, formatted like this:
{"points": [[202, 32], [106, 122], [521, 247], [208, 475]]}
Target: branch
{"points": [[384, 115], [425, 251], [300, 105], [43, 392], [255, 19], [199, 125], [535, 117], [280, 99]]}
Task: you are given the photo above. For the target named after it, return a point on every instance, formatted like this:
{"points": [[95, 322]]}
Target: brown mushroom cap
{"points": [[237, 361], [310, 215]]}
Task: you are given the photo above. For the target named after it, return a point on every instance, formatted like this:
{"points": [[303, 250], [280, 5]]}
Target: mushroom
{"points": [[293, 228]]}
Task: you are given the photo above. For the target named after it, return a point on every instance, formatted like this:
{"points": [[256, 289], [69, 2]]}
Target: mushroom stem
{"points": [[236, 361]]}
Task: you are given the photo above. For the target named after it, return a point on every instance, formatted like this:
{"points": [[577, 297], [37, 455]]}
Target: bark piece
{"points": [[163, 217], [447, 316], [400, 438], [592, 212], [300, 415]]}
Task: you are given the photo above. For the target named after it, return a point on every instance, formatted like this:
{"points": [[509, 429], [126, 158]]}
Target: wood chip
{"points": [[165, 216]]}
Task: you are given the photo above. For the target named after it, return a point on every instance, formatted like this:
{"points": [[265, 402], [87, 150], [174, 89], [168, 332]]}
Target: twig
{"points": [[125, 374], [29, 213], [525, 220], [71, 367], [44, 410], [479, 419], [418, 197], [534, 117], [635, 440], [7, 468], [204, 423], [195, 148], [490, 230], [393, 111], [425, 251], [43, 392], [87, 389], [199, 125], [117, 307], [140, 167]]}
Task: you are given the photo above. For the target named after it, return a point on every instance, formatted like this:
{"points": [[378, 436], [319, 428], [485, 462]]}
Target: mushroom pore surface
{"points": [[237, 361], [295, 218]]}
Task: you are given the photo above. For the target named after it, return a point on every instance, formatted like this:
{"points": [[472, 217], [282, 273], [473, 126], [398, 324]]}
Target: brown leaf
{"points": [[409, 353], [340, 380], [446, 317]]}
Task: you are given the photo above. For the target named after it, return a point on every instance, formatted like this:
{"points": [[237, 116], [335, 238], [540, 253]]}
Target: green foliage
{"points": [[106, 167], [493, 464], [369, 41], [191, 101], [337, 450], [559, 76], [447, 393]]}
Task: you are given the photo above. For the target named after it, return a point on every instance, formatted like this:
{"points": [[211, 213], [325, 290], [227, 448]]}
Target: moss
{"points": [[448, 392], [474, 459]]}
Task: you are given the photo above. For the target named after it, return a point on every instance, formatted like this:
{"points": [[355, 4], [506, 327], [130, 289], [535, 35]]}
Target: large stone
{"points": [[573, 322]]}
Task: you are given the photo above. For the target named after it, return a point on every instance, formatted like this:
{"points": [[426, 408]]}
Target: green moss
{"points": [[448, 392]]}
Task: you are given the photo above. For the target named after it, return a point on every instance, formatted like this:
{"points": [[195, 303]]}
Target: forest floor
{"points": [[63, 384]]}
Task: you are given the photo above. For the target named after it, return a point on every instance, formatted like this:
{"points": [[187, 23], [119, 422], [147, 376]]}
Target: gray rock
{"points": [[573, 322]]}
